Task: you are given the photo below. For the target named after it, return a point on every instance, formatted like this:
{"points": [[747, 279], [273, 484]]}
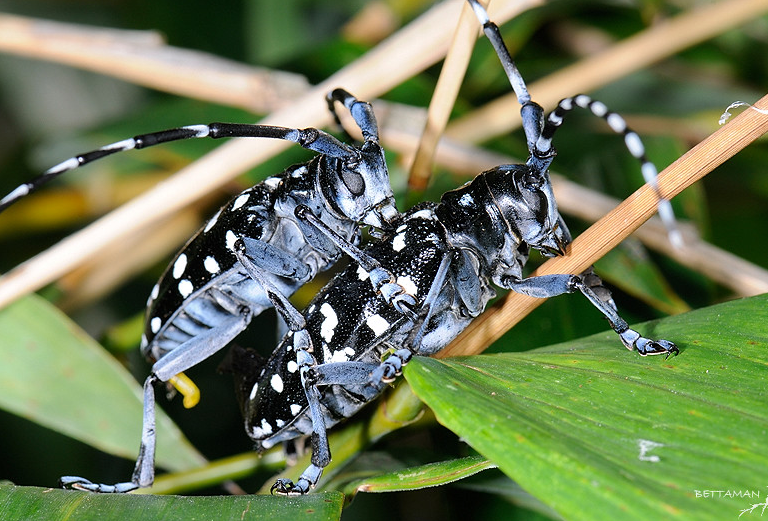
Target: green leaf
{"points": [[54, 374], [32, 504], [598, 433], [423, 476]]}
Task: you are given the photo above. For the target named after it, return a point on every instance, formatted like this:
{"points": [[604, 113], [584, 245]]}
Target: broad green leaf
{"points": [[33, 504], [423, 476], [54, 374], [596, 432]]}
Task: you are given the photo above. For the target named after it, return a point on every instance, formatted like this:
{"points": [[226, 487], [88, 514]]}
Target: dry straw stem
{"points": [[742, 277], [444, 96], [660, 41], [143, 58], [617, 225], [424, 41]]}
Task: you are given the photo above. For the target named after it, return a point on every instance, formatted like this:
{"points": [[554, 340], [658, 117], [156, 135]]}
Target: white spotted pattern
{"points": [[296, 408], [240, 201], [292, 366], [155, 324], [179, 266], [185, 288], [212, 222], [377, 323], [398, 243], [339, 356], [230, 239], [277, 383], [466, 200], [211, 266], [330, 322], [408, 285]]}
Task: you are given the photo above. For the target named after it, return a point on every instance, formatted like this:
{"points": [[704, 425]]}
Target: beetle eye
{"points": [[353, 181]]}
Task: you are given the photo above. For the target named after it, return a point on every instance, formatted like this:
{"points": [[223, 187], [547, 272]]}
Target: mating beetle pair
{"points": [[419, 283]]}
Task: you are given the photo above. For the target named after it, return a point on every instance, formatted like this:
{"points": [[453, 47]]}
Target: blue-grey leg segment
{"points": [[144, 472], [293, 318], [321, 452], [361, 112], [552, 285], [382, 280], [200, 347], [275, 260], [186, 355]]}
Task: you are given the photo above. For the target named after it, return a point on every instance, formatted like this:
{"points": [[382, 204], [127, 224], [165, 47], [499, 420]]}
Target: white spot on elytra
{"points": [[185, 288], [155, 291], [277, 383], [254, 390], [296, 408], [179, 266], [154, 324], [339, 356], [212, 222], [279, 423], [408, 285], [398, 243], [377, 323], [211, 266], [230, 239], [330, 322], [240, 201], [362, 274], [292, 366], [266, 428]]}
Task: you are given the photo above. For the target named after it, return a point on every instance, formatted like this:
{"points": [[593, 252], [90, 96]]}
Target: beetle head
{"points": [[526, 201], [358, 188], [503, 213]]}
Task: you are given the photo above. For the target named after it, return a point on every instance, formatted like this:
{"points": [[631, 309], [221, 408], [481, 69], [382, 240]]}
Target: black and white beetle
{"points": [[255, 251], [428, 276], [447, 256]]}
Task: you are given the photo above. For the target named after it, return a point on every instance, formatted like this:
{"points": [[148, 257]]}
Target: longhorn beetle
{"points": [[256, 251], [447, 256], [431, 272]]}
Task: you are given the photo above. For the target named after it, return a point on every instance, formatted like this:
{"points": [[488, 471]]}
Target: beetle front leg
{"points": [[591, 287], [382, 280]]}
